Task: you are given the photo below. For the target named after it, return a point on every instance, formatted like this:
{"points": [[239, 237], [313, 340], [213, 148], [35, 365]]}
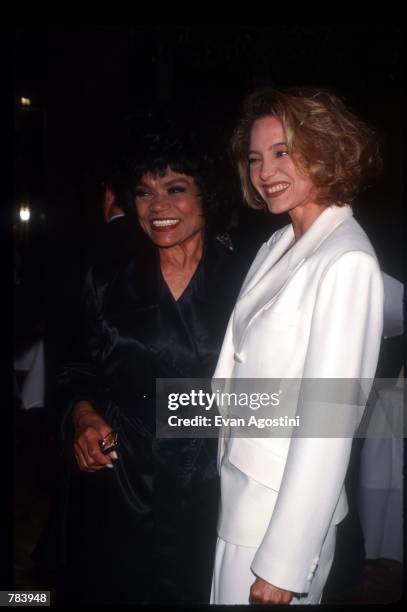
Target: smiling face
{"points": [[169, 208], [273, 172]]}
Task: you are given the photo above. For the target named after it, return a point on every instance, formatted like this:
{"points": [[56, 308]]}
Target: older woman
{"points": [[310, 308], [142, 524]]}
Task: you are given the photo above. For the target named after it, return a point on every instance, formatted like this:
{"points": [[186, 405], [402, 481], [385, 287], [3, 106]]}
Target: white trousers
{"points": [[232, 576]]}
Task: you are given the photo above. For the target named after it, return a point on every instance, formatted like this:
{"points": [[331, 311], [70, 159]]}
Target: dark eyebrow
{"points": [[277, 144], [177, 180], [167, 183]]}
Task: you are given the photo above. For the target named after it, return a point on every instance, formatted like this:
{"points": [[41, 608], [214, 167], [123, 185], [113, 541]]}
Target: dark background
{"points": [[86, 83], [83, 82]]}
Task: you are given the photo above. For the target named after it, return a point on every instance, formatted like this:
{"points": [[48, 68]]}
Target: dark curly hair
{"points": [[157, 148], [329, 143]]}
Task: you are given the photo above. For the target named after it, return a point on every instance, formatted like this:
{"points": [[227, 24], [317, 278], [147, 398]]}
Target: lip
{"points": [[274, 194], [164, 228]]}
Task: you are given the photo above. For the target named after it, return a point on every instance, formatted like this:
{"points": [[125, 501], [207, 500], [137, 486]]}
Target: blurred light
{"points": [[24, 213], [25, 101]]}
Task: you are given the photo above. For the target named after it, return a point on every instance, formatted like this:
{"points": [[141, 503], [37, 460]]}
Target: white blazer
{"points": [[307, 309]]}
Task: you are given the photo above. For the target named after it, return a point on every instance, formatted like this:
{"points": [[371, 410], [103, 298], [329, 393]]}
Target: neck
{"points": [[183, 256], [302, 217]]}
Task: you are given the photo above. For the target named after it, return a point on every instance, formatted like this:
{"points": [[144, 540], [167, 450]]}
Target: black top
{"points": [[145, 531]]}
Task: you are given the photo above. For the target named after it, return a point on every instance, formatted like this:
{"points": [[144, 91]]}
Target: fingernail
{"points": [[114, 455], [109, 465]]}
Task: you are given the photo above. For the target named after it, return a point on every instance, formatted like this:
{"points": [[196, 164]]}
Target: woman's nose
{"points": [[159, 202], [267, 170]]}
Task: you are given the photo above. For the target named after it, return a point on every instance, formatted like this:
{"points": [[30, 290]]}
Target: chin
{"points": [[163, 244], [275, 209], [165, 241]]}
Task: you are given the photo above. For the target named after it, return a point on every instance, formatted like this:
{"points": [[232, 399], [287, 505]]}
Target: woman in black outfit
{"points": [[142, 519]]}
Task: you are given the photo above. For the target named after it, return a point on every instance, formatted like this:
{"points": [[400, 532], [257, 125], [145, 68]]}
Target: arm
{"points": [[82, 386], [344, 343]]}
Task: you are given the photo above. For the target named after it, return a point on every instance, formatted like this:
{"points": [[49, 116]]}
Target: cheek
{"points": [[254, 176], [144, 226], [253, 171], [143, 222], [141, 211], [306, 185], [196, 220], [193, 212], [300, 176]]}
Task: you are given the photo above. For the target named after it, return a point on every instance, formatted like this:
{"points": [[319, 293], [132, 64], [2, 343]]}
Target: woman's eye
{"points": [[140, 193], [176, 189], [281, 153], [253, 160]]}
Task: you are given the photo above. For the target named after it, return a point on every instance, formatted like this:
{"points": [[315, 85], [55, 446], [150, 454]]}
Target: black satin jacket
{"points": [[145, 531]]}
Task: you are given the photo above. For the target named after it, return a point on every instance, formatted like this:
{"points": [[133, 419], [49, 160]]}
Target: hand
{"points": [[90, 428], [265, 593]]}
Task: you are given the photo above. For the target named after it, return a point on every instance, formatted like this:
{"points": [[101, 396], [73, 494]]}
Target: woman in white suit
{"points": [[309, 308]]}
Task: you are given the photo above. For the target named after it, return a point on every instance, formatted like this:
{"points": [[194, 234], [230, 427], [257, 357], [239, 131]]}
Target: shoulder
{"points": [[346, 246], [352, 267], [105, 271], [109, 276], [223, 268], [232, 258], [349, 236]]}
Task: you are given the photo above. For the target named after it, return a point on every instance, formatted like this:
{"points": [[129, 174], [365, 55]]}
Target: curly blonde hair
{"points": [[334, 148]]}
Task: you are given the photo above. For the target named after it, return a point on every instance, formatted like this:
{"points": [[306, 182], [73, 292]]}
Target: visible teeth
{"points": [[275, 188], [165, 222]]}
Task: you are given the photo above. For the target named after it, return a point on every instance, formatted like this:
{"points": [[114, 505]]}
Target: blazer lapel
{"points": [[269, 254], [317, 233], [276, 264]]}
